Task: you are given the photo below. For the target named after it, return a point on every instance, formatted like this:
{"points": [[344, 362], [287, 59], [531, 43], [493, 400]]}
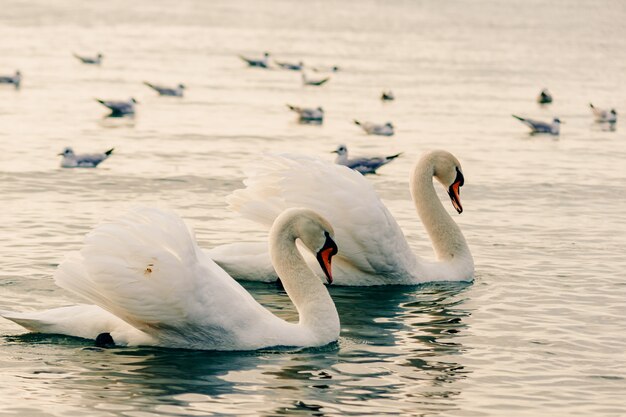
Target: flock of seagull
{"points": [[124, 108], [604, 116]]}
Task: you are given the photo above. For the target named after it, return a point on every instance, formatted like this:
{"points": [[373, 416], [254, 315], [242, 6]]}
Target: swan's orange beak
{"points": [[455, 190], [324, 257]]}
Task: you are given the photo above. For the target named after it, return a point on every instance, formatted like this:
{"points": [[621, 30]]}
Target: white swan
{"points": [[154, 286], [374, 250]]}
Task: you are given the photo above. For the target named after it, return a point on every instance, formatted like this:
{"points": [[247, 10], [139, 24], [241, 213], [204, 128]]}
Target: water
{"points": [[541, 330]]}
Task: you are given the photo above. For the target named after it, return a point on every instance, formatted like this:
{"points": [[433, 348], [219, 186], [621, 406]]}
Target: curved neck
{"points": [[315, 307], [446, 237]]}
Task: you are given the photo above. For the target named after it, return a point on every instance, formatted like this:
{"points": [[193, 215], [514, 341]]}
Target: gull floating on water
{"points": [[288, 66], [541, 127], [308, 115], [262, 63], [167, 91], [362, 165], [120, 108], [325, 69], [604, 116], [544, 97], [376, 129], [316, 82], [387, 96], [71, 160], [97, 60], [12, 79]]}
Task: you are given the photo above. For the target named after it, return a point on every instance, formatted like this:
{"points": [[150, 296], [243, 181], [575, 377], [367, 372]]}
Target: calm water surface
{"points": [[540, 331]]}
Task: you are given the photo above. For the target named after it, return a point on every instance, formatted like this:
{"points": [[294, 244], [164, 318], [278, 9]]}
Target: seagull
{"points": [[544, 97], [362, 165], [375, 129], [12, 79], [308, 115], [167, 91], [120, 108], [387, 96], [293, 67], [317, 82], [541, 127], [71, 160], [262, 63], [325, 69], [604, 116], [97, 60]]}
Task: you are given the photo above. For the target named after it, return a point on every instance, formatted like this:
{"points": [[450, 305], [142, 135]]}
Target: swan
{"points": [[374, 250], [152, 285]]}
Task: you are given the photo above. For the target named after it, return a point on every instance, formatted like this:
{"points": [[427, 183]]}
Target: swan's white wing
{"points": [[86, 321], [368, 237], [147, 269]]}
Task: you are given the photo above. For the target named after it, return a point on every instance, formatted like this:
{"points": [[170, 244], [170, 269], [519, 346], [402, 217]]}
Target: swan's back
{"points": [[369, 238], [147, 269]]}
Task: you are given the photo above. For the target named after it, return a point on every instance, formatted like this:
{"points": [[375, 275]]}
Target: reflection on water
{"points": [[390, 349]]}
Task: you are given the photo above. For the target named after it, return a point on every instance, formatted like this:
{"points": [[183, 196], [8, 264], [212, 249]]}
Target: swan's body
{"points": [[308, 114], [97, 60], [374, 250], [376, 129], [362, 165], [72, 160], [537, 126], [177, 91], [603, 115], [154, 286], [120, 108]]}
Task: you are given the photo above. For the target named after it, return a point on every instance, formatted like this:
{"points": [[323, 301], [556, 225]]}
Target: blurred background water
{"points": [[541, 330]]}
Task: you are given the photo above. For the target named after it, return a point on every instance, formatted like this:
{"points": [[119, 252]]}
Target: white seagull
{"points": [[120, 108], [167, 91], [261, 63], [373, 248], [376, 129], [152, 285], [97, 60], [289, 66], [387, 96], [71, 160], [314, 82], [12, 79], [362, 165], [603, 115], [308, 115], [541, 127], [544, 97]]}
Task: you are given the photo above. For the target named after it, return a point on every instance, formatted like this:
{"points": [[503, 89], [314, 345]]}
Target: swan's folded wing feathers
{"points": [[365, 231], [146, 269]]}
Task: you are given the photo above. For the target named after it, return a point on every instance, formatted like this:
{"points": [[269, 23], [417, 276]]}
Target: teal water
{"points": [[540, 331]]}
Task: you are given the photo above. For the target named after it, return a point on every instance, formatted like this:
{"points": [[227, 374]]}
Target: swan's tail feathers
{"points": [[142, 267], [23, 319], [109, 152], [521, 119]]}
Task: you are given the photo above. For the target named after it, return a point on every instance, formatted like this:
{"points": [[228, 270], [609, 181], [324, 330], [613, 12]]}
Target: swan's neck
{"points": [[316, 309], [446, 237]]}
